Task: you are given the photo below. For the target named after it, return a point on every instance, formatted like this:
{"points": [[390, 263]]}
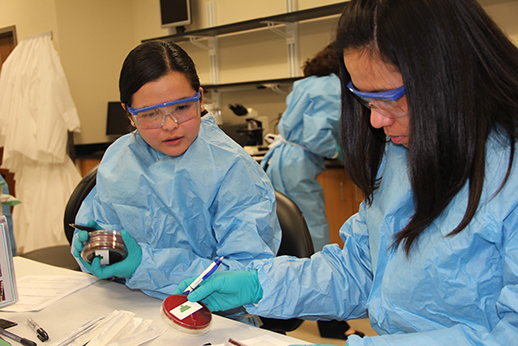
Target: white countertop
{"points": [[103, 297]]}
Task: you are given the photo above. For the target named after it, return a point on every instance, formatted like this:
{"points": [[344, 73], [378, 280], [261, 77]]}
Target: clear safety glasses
{"points": [[385, 102], [153, 117]]}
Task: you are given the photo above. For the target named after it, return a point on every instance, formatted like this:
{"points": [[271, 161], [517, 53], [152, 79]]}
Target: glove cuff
{"points": [[258, 289]]}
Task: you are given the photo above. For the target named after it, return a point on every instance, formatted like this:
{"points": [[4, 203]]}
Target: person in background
{"points": [[180, 190], [309, 132], [429, 121]]}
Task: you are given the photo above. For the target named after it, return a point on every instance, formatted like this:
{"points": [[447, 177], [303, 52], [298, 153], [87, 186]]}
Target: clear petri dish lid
{"points": [[198, 322]]}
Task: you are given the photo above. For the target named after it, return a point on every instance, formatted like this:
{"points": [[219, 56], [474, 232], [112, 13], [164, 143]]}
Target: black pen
{"points": [[82, 228], [23, 341], [40, 332]]}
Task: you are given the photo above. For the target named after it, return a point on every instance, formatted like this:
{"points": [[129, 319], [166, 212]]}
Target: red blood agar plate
{"points": [[196, 323]]}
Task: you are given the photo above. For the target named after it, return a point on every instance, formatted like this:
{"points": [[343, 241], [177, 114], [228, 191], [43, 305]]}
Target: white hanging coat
{"points": [[36, 110]]}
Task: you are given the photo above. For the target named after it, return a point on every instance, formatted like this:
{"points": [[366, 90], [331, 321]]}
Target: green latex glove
{"points": [[339, 150], [82, 236], [79, 238], [225, 290], [122, 269]]}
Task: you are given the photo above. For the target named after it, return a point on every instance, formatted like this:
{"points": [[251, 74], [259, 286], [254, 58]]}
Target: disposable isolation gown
{"points": [[185, 211], [459, 290], [310, 127], [36, 110]]}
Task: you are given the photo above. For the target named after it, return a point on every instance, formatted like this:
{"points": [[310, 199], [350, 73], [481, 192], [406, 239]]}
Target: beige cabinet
{"points": [[342, 199]]}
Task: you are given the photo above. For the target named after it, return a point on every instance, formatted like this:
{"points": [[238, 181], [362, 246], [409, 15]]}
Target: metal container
{"points": [[108, 245]]}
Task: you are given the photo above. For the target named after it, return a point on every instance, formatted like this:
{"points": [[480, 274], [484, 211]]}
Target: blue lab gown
{"points": [[310, 126], [185, 211], [459, 290]]}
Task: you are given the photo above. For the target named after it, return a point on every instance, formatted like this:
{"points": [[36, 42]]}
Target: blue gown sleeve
{"points": [[332, 284]]}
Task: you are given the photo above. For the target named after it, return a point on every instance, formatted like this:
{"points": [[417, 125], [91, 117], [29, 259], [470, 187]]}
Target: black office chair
{"points": [[296, 241], [76, 198], [60, 255]]}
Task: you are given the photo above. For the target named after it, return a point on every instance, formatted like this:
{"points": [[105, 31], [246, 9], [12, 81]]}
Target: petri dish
{"points": [[197, 323], [108, 244]]}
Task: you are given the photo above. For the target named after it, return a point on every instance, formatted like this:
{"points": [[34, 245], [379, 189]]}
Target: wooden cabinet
{"points": [[87, 165], [342, 199]]}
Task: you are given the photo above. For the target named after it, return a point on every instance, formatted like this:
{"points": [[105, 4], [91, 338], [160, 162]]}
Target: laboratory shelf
{"points": [[291, 17], [288, 19], [259, 84]]}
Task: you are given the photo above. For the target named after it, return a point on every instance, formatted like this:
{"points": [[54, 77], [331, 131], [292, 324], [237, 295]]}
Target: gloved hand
{"points": [[339, 151], [82, 236], [225, 290], [122, 269]]}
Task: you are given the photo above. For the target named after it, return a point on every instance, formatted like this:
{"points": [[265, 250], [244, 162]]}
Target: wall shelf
{"points": [[291, 17], [250, 85], [290, 20]]}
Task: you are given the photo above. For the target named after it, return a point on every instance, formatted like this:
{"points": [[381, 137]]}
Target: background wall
{"points": [[94, 36], [30, 17]]}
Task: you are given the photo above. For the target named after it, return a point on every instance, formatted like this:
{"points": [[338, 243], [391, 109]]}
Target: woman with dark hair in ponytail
{"points": [[429, 130], [182, 192]]}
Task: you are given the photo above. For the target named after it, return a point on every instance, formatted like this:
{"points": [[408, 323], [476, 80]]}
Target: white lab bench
{"points": [[103, 297]]}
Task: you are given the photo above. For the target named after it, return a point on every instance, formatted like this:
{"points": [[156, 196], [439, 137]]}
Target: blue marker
{"points": [[203, 276]]}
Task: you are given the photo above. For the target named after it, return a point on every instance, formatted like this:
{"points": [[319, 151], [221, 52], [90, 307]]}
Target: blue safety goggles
{"points": [[135, 111], [154, 117], [389, 95], [384, 102]]}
